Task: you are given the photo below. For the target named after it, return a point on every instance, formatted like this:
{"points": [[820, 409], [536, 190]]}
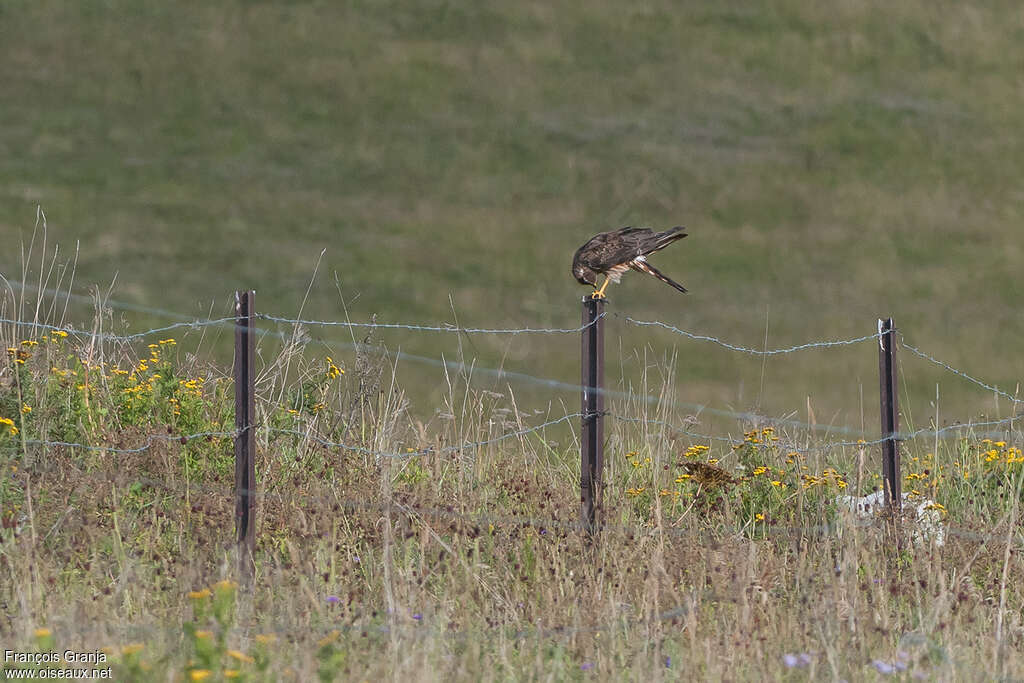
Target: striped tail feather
{"points": [[645, 267]]}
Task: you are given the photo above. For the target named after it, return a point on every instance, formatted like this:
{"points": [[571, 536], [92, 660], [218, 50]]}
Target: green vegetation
{"points": [[721, 558], [834, 164]]}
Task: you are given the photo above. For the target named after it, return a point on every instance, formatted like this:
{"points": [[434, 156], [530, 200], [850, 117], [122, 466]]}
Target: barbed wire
{"points": [[753, 352], [197, 323], [861, 443], [552, 383], [917, 352], [232, 321], [184, 438], [425, 451], [106, 336], [150, 439], [428, 328], [471, 445]]}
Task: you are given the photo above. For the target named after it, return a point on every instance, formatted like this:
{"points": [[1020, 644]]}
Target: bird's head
{"points": [[584, 275]]}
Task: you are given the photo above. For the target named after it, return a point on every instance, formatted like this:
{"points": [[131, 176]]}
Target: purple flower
{"points": [[883, 667], [333, 599], [586, 666], [668, 662], [796, 660], [418, 616], [356, 559]]}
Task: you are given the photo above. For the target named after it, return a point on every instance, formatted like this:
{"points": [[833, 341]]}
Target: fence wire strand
{"points": [[753, 352], [150, 440], [425, 451], [684, 428], [518, 376], [960, 373], [942, 433], [106, 336], [427, 328]]}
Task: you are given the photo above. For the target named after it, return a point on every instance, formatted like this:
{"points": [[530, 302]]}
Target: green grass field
{"points": [[832, 163], [833, 166]]}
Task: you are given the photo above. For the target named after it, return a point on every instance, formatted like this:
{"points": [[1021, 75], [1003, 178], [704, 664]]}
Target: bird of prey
{"points": [[613, 253]]}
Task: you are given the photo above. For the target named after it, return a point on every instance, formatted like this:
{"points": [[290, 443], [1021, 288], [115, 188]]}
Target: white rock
{"points": [[924, 516]]}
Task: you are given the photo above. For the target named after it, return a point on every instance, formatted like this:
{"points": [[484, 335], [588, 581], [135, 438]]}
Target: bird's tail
{"points": [[645, 267], [663, 239]]}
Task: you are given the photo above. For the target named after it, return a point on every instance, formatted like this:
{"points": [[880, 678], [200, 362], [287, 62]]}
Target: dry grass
{"points": [[467, 563]]}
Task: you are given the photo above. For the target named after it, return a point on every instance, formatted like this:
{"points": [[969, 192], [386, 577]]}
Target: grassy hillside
{"points": [[833, 164]]}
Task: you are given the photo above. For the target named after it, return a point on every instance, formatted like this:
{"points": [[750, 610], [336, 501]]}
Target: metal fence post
{"points": [[592, 431], [890, 414], [245, 433]]}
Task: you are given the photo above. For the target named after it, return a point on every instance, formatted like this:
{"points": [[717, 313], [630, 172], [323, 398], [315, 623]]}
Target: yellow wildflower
{"points": [[9, 423], [329, 638]]}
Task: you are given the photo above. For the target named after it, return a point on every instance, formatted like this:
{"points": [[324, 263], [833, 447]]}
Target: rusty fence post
{"points": [[888, 391], [592, 431], [245, 433]]}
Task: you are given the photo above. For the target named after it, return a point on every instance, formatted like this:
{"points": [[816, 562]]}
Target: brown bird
{"points": [[613, 253]]}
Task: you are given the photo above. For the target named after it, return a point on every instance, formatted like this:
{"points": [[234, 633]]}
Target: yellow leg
{"points": [[599, 293]]}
